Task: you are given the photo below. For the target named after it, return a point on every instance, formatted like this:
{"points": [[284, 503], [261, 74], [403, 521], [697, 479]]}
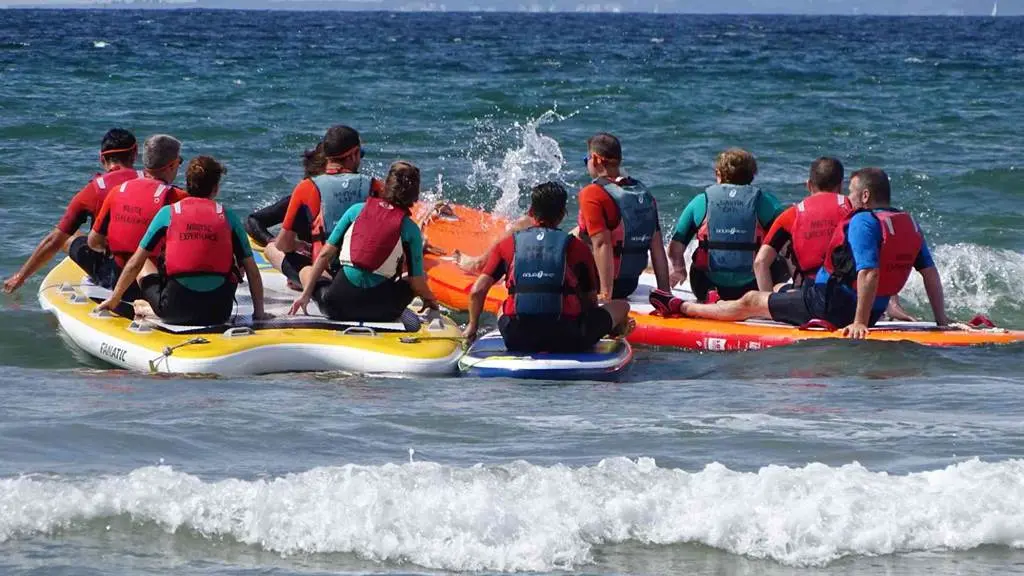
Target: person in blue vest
{"points": [[377, 250], [869, 259], [552, 283], [323, 199], [729, 221], [205, 247]]}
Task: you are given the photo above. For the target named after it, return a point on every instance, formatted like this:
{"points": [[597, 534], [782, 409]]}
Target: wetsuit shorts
{"points": [[567, 335], [176, 304], [101, 268], [291, 265], [811, 301], [339, 299], [701, 284]]}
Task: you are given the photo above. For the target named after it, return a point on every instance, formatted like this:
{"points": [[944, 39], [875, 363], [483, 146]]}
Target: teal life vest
{"points": [[338, 193], [731, 234], [639, 214], [537, 281]]}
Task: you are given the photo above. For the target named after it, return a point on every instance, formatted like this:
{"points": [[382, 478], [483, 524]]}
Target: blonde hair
{"points": [[736, 166]]}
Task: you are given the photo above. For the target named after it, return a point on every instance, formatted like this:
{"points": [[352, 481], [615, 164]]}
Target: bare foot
{"points": [[143, 310], [625, 329], [471, 264]]}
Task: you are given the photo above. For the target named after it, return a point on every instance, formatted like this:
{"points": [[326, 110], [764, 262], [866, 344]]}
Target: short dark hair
{"points": [[313, 161], [876, 181], [605, 145], [547, 203], [119, 145], [826, 174], [402, 184], [339, 141], [203, 175]]}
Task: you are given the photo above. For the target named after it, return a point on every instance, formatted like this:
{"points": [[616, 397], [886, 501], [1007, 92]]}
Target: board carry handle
{"points": [[818, 324]]}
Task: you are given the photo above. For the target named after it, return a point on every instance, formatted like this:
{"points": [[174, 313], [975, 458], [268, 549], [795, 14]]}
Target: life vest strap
{"points": [[724, 245], [533, 289]]}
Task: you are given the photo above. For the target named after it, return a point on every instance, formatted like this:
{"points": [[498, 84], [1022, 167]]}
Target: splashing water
{"points": [[976, 279], [532, 158]]}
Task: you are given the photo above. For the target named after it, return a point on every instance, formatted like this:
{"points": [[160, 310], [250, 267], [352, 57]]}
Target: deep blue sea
{"points": [[832, 458]]}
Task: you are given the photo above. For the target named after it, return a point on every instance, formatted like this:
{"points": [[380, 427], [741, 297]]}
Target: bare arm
{"points": [[252, 275], [763, 267], [867, 288], [287, 241], [659, 261], [421, 289], [97, 241], [128, 275], [677, 259], [43, 253], [933, 287], [327, 254], [477, 297], [475, 263], [604, 256]]}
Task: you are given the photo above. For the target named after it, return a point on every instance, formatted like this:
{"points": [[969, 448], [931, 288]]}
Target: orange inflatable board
{"points": [[471, 232]]}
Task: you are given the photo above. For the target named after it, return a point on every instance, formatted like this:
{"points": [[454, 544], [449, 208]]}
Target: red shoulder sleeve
{"points": [[79, 209]]}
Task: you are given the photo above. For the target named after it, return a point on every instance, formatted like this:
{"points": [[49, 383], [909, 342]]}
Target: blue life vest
{"points": [[639, 214], [731, 234], [538, 272], [338, 193]]}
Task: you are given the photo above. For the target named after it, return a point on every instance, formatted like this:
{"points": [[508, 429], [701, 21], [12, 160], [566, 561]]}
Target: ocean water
{"points": [[838, 458]]}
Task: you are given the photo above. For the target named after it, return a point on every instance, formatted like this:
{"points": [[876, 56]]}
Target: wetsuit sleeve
{"points": [[175, 195], [376, 188], [865, 238], [924, 257], [350, 215], [239, 239], [259, 222], [598, 211], [157, 229], [498, 260], [304, 196], [690, 220], [768, 208], [102, 219], [78, 210], [781, 231], [581, 262], [413, 238]]}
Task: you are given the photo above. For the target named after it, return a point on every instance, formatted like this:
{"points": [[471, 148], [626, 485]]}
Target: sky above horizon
{"points": [[907, 7]]}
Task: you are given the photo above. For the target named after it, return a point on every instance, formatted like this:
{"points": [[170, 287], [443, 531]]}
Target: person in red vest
{"points": [[803, 230], [118, 151], [128, 209], [373, 245], [552, 280], [869, 259], [205, 246]]}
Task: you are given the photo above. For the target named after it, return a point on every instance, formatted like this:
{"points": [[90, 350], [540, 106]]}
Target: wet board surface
{"points": [[488, 357]]}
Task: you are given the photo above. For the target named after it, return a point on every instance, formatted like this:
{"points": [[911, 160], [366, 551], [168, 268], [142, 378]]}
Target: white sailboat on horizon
{"points": [[995, 8]]}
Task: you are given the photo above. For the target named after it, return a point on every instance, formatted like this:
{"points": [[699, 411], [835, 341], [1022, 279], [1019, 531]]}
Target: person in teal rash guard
{"points": [[205, 246], [376, 242], [729, 220]]}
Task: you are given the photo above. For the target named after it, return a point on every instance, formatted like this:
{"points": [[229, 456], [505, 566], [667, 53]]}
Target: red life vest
{"points": [[132, 208], [816, 220], [901, 243], [199, 239], [374, 241]]}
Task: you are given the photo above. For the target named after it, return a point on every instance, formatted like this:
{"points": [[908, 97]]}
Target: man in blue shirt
{"points": [[865, 266]]}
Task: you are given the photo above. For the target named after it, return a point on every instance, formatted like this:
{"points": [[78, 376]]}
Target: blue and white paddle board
{"points": [[488, 358]]}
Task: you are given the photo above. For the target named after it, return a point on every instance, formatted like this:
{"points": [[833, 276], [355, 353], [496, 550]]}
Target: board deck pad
{"points": [[488, 357]]}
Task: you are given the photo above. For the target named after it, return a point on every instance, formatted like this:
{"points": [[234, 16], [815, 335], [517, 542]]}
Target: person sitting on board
{"points": [[375, 242], [258, 225], [205, 246], [323, 199], [729, 220], [552, 282], [868, 260], [618, 217], [129, 208], [118, 151]]}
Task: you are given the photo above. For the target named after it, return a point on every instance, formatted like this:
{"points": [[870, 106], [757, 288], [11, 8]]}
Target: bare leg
{"points": [[751, 305], [148, 269], [274, 255], [67, 243]]}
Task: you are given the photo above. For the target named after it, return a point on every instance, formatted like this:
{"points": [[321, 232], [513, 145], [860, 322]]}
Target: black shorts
{"points": [[100, 267], [810, 301], [623, 287], [701, 284], [339, 299], [176, 304], [559, 336], [291, 265]]}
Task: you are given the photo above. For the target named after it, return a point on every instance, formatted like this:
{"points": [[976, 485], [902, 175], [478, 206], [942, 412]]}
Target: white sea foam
{"points": [[521, 517], [976, 279], [99, 44], [530, 158]]}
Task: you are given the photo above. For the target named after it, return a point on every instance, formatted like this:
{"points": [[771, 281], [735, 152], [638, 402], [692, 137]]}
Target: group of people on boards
{"points": [[348, 242], [848, 255]]}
